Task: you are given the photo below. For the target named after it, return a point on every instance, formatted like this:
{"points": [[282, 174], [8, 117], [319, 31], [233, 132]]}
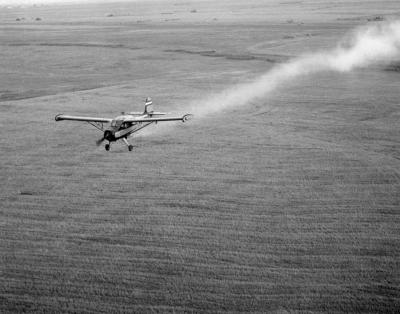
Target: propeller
{"points": [[99, 141], [108, 135]]}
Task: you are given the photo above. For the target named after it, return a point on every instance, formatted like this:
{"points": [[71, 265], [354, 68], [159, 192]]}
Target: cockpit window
{"points": [[116, 123]]}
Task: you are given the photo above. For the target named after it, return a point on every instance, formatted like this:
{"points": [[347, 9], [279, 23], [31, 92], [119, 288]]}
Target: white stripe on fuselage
{"points": [[132, 128], [125, 131]]}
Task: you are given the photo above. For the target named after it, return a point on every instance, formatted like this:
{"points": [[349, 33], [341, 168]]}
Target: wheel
{"points": [[107, 147], [130, 147]]}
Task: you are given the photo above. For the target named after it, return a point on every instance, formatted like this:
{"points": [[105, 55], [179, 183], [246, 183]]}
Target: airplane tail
{"points": [[148, 108]]}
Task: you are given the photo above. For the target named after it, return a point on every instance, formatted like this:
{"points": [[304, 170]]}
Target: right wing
{"points": [[61, 117], [184, 118]]}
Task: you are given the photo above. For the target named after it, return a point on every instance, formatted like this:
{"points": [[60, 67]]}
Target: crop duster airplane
{"points": [[126, 124]]}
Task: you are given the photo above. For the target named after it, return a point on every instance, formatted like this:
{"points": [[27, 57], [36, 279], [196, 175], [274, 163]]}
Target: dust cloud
{"points": [[362, 47]]}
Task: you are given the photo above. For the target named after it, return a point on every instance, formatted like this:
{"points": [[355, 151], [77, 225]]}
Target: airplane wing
{"points": [[183, 119], [61, 117]]}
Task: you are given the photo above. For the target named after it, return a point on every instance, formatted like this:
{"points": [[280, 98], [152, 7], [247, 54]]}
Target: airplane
{"points": [[126, 124]]}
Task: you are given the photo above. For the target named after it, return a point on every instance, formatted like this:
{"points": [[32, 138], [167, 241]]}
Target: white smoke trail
{"points": [[366, 46], [363, 47]]}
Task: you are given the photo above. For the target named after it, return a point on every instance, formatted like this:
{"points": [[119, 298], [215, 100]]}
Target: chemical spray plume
{"points": [[365, 46]]}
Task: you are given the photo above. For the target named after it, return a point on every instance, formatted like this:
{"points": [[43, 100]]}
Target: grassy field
{"points": [[289, 204]]}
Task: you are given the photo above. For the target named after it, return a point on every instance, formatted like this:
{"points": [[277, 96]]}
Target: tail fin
{"points": [[148, 106]]}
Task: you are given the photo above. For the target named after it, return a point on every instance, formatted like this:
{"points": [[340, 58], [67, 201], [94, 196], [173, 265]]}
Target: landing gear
{"points": [[130, 147]]}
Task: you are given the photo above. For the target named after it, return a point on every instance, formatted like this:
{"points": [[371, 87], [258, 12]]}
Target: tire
{"points": [[107, 147], [130, 147]]}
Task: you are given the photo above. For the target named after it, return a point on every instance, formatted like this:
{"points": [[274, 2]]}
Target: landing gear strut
{"points": [[130, 147]]}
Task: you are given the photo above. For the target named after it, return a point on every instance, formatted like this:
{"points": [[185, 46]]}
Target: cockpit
{"points": [[116, 123]]}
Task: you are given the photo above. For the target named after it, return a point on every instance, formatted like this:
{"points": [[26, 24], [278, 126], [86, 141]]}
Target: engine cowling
{"points": [[109, 135]]}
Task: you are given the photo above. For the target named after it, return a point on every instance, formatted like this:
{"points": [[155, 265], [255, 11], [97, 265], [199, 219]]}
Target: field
{"points": [[287, 204]]}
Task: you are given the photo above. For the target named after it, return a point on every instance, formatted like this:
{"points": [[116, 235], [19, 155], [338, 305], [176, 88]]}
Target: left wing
{"points": [[61, 117], [184, 118]]}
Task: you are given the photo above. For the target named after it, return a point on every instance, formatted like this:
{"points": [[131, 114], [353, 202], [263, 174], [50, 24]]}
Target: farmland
{"points": [[287, 204]]}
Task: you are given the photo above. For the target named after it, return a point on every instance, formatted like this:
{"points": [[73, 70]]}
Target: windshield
{"points": [[116, 123]]}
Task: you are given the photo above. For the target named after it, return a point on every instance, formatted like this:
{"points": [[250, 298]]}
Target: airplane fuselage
{"points": [[120, 129]]}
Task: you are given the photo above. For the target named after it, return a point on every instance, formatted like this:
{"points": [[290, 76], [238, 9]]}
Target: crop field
{"points": [[287, 203]]}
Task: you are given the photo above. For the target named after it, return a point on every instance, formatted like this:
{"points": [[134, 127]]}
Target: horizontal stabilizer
{"points": [[136, 113]]}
